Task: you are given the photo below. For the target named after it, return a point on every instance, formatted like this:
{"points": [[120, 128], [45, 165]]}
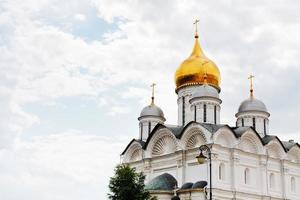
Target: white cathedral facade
{"points": [[248, 162]]}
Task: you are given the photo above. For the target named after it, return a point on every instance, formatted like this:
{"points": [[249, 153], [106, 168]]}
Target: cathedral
{"points": [[242, 162]]}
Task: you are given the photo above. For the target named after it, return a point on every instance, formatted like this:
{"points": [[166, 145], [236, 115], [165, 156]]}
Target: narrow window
{"points": [[293, 184], [149, 128], [195, 113], [204, 113], [141, 127], [215, 114], [221, 171], [243, 123], [265, 131], [253, 121], [247, 176], [272, 180], [183, 110]]}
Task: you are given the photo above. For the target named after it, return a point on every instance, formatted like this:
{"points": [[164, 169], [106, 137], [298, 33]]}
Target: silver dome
{"points": [[152, 110], [252, 104], [205, 91]]}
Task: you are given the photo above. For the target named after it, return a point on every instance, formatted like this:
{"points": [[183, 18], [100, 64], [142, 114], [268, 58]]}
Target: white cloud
{"points": [[69, 165], [80, 17], [121, 109]]}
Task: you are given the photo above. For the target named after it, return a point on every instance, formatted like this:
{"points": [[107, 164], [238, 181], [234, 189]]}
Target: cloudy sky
{"points": [[75, 74]]}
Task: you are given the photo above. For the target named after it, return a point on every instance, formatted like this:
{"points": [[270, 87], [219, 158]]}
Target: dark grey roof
{"points": [[268, 138], [176, 130], [199, 184], [290, 144], [212, 128], [142, 143], [187, 186], [162, 182], [239, 131]]}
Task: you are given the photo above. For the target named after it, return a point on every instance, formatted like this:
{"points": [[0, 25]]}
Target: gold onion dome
{"points": [[196, 68]]}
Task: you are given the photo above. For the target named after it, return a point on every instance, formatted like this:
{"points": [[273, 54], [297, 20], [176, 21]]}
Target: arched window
{"points": [[293, 184], [204, 113], [221, 171], [247, 176], [272, 181], [254, 124], [243, 122]]}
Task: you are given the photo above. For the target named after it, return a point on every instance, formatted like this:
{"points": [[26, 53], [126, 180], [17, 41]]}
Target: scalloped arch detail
{"points": [[195, 141], [164, 145], [294, 155], [136, 155], [275, 150], [225, 138], [193, 137], [250, 143]]}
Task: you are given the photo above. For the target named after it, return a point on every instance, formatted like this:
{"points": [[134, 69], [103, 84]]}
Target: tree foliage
{"points": [[127, 184]]}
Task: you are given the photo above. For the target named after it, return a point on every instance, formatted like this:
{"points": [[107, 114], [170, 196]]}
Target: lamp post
{"points": [[202, 159]]}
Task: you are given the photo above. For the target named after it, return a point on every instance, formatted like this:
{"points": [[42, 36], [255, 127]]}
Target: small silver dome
{"points": [[205, 91], [252, 104], [152, 110]]}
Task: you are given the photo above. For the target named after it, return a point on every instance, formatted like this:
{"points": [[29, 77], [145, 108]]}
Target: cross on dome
{"points": [[251, 85], [196, 27], [152, 98]]}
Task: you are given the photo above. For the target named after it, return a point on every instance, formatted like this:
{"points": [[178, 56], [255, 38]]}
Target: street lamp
{"points": [[202, 159]]}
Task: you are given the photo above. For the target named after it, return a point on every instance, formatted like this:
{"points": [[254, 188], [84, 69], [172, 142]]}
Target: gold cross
{"points": [[251, 84], [196, 27], [152, 98]]}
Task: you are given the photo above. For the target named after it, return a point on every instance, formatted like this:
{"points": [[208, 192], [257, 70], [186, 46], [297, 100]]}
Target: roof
{"points": [[252, 104], [212, 128], [162, 182], [289, 144], [152, 110], [142, 143]]}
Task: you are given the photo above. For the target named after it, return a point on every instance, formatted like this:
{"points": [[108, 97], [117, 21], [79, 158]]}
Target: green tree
{"points": [[127, 184]]}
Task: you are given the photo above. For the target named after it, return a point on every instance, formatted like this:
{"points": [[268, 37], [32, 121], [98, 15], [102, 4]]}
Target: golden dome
{"points": [[195, 69]]}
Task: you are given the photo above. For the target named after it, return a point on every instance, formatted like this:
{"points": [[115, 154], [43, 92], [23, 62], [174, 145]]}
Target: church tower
{"points": [[150, 116], [198, 86], [253, 112]]}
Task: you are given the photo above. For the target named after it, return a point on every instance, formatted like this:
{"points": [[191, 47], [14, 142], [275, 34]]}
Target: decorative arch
{"points": [[163, 142], [193, 136], [133, 153], [251, 143], [294, 154], [225, 137], [275, 150]]}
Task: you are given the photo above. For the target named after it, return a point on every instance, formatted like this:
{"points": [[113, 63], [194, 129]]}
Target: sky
{"points": [[75, 74]]}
